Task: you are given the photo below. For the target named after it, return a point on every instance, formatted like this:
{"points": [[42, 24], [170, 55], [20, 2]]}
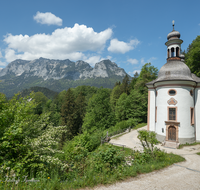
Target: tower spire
{"points": [[173, 24]]}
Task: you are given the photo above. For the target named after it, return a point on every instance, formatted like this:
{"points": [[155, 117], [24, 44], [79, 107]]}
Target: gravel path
{"points": [[183, 176]]}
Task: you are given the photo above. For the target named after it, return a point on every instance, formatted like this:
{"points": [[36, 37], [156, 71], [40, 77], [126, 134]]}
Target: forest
{"points": [[58, 138]]}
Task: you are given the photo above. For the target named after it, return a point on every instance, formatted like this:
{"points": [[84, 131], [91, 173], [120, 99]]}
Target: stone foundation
{"points": [[162, 138]]}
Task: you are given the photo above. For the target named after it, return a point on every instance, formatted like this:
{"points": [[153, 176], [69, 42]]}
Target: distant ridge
{"points": [[48, 93], [57, 75]]}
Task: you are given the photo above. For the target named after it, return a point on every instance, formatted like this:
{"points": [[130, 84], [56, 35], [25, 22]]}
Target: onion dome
{"points": [[173, 34]]}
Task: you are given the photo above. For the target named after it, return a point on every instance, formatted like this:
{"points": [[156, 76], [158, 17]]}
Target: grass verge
{"points": [[187, 144], [94, 175], [140, 125], [198, 153]]}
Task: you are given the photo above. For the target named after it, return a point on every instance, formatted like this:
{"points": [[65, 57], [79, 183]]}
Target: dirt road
{"points": [[183, 176]]}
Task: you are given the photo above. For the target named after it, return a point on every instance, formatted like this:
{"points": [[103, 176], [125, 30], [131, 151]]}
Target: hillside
{"points": [[57, 75]]}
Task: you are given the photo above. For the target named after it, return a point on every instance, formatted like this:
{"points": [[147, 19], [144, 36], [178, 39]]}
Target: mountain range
{"points": [[57, 75]]}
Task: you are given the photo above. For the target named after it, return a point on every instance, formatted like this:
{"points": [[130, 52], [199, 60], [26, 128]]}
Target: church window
{"points": [[172, 92], [172, 114], [192, 115]]}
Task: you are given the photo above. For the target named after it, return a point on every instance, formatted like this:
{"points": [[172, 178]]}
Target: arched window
{"points": [[172, 52], [177, 52], [168, 53]]}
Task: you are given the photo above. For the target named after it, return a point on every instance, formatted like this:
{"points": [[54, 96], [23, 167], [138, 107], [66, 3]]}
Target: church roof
{"points": [[175, 70], [174, 34]]}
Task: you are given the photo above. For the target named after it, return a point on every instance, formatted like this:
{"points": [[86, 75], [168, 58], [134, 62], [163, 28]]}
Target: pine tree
{"points": [[125, 86], [80, 103], [68, 114]]}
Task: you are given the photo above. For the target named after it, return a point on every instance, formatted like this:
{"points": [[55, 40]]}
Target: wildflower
{"points": [[48, 177]]}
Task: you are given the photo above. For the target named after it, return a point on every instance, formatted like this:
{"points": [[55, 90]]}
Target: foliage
{"points": [[147, 74], [132, 106], [107, 156], [80, 110], [50, 94], [139, 125], [40, 100], [148, 141], [125, 86], [114, 96], [121, 125], [99, 114], [68, 115], [192, 56]]}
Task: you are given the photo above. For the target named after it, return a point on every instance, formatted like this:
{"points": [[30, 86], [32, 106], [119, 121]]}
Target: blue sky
{"points": [[128, 32]]}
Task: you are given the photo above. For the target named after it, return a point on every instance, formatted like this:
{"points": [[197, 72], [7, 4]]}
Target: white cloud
{"points": [[133, 61], [3, 63], [117, 46], [47, 18], [151, 59], [142, 61], [92, 60], [65, 43], [133, 72], [0, 54], [138, 71], [95, 59]]}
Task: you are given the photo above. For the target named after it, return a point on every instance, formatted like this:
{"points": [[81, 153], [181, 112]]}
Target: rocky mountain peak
{"points": [[58, 69]]}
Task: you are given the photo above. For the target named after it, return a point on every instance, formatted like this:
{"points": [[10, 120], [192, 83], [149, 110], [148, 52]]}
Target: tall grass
{"points": [[91, 175]]}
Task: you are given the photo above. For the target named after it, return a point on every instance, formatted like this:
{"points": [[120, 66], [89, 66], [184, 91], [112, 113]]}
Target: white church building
{"points": [[174, 98]]}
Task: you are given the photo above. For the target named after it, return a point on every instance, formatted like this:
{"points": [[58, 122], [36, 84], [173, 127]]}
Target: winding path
{"points": [[182, 176]]}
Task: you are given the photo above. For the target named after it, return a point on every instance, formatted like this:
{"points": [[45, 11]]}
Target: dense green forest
{"points": [[41, 135]]}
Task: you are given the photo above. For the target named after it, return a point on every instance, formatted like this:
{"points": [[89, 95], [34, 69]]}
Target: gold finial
{"points": [[173, 24]]}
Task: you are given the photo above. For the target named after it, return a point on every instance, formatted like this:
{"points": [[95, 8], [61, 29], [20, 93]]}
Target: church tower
{"points": [[173, 98]]}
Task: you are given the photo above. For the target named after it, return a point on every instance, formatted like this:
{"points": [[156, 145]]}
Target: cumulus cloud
{"points": [[133, 72], [65, 43], [47, 18], [133, 61], [3, 63], [117, 46], [95, 59], [142, 61], [151, 59]]}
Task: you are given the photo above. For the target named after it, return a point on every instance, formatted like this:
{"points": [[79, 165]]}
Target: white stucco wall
{"points": [[152, 110], [197, 113], [184, 103]]}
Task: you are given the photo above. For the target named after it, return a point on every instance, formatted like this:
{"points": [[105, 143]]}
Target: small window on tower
{"points": [[172, 92]]}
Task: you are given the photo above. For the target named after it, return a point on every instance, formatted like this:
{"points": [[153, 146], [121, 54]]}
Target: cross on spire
{"points": [[173, 24]]}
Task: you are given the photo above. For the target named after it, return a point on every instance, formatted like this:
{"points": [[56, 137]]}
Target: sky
{"points": [[128, 32]]}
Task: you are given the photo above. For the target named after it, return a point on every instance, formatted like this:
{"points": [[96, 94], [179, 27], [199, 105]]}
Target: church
{"points": [[174, 98]]}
